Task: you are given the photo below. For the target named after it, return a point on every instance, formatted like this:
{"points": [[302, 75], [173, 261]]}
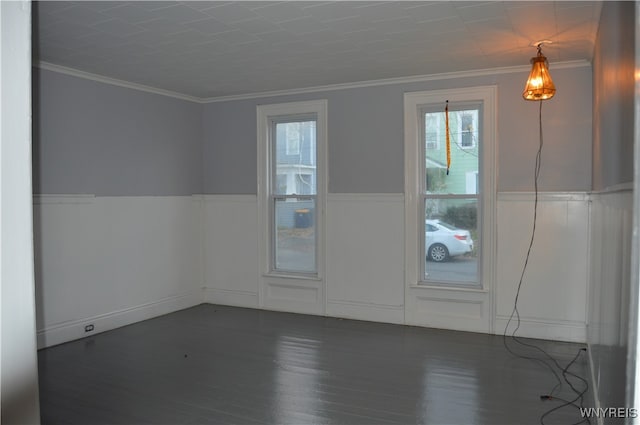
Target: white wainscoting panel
{"points": [[112, 261], [365, 256], [449, 308], [75, 329], [231, 250], [553, 296], [610, 280], [293, 295]]}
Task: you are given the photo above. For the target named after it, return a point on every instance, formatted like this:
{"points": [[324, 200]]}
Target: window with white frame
{"points": [[291, 188], [468, 129], [448, 211], [292, 136], [432, 131]]}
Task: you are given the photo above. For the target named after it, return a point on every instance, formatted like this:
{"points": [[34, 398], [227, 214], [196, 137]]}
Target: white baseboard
{"points": [[231, 297], [72, 330], [552, 330], [366, 311]]}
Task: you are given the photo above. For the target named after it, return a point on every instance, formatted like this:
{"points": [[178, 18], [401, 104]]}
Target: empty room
{"points": [[319, 212]]}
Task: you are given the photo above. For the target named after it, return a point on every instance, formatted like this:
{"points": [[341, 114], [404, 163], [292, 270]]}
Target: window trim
{"points": [[413, 104], [266, 115]]}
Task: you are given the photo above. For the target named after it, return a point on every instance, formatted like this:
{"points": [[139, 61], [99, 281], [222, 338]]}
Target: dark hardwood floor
{"points": [[224, 365]]}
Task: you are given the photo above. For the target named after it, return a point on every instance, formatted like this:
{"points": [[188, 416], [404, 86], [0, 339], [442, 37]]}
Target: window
{"points": [[291, 186], [305, 184], [292, 137], [472, 182], [451, 236], [293, 225], [432, 131], [468, 128], [448, 214], [281, 182]]}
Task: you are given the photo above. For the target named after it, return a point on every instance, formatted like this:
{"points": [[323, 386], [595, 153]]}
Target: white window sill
{"points": [[292, 276], [448, 287]]}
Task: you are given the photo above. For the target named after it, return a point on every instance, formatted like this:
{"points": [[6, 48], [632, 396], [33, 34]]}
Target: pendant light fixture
{"points": [[539, 85]]}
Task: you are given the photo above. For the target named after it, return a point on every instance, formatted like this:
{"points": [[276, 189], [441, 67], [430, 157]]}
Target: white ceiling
{"points": [[210, 49]]}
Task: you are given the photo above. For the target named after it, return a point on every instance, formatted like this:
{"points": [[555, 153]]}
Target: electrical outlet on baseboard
{"points": [[89, 327]]}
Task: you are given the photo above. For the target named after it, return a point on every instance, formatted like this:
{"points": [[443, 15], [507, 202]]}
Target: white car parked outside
{"points": [[443, 241]]}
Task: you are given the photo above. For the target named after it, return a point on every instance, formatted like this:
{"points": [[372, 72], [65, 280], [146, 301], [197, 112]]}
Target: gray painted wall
{"points": [[366, 153], [613, 129], [229, 158], [614, 67], [90, 137]]}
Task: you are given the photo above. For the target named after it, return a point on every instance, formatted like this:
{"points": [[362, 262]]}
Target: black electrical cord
{"points": [[579, 394], [564, 371]]}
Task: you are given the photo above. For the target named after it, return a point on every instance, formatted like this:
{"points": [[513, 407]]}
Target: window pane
{"points": [[451, 240], [295, 238], [295, 158], [464, 143]]}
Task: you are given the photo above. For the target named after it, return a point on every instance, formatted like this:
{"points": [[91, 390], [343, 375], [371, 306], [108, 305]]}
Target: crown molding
{"points": [[329, 87], [397, 80], [114, 81]]}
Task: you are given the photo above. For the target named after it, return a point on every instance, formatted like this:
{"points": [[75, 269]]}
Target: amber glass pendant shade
{"points": [[539, 85]]}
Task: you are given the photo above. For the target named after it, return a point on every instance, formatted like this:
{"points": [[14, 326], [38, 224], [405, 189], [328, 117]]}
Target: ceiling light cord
{"points": [[552, 364]]}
